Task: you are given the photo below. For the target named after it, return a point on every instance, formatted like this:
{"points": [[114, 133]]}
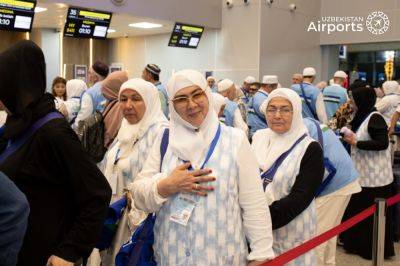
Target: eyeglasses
{"points": [[284, 111], [182, 101]]}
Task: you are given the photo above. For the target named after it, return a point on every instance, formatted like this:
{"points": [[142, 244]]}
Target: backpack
{"points": [[90, 132]]}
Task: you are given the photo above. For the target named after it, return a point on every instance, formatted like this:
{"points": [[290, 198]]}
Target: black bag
{"points": [[91, 134]]}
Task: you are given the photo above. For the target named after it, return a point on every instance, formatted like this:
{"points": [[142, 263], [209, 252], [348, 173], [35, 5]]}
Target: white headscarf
{"points": [[390, 87], [186, 141], [129, 133], [75, 88], [218, 101], [276, 144]]}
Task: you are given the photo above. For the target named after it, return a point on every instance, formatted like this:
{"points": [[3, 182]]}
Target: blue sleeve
{"points": [[14, 211], [257, 102]]}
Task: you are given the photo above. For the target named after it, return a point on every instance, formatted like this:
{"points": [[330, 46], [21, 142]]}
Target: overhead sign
{"points": [[185, 35], [83, 23], [16, 15]]}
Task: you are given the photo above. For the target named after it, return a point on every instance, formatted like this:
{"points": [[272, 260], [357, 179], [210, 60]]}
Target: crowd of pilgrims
{"points": [[236, 175]]}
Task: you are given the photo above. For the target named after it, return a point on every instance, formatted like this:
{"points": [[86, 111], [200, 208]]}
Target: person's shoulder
{"points": [[57, 129], [235, 133], [314, 148], [259, 134]]}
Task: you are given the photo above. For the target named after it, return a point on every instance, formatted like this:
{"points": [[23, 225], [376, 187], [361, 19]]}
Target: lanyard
{"points": [[211, 150], [268, 175], [118, 154]]}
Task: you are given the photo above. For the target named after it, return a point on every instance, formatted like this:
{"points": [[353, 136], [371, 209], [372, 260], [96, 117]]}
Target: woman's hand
{"points": [[57, 261], [350, 139], [181, 180]]}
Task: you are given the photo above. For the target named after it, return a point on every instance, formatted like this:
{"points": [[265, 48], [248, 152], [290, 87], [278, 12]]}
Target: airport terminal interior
{"points": [[199, 132]]}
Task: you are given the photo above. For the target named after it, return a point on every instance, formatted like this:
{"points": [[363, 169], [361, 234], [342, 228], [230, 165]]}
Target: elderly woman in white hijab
{"points": [[292, 170], [75, 89], [207, 196], [143, 120]]}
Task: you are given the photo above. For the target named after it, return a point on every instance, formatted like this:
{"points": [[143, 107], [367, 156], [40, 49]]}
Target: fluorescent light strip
{"points": [[39, 9], [145, 25]]}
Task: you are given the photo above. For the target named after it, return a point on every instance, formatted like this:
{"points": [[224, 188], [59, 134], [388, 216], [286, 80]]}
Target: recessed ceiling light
{"points": [[111, 30], [145, 25], [39, 9]]}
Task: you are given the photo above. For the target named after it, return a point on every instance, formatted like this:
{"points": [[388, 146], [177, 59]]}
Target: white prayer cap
{"points": [[340, 74], [390, 86], [270, 79], [210, 77], [224, 84], [250, 79], [309, 72]]}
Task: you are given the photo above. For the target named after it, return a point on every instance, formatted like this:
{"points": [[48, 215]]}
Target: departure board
{"points": [[16, 15], [84, 23], [185, 35]]}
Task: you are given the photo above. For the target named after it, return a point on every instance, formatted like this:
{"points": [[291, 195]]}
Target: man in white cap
{"points": [[151, 73], [335, 95], [211, 83], [256, 119], [311, 96], [233, 111], [248, 81]]}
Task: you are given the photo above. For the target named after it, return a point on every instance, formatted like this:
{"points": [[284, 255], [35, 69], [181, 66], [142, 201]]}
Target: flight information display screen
{"points": [[185, 35], [84, 23], [16, 15]]}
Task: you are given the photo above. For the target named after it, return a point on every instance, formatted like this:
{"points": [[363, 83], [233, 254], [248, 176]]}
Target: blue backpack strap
{"points": [[327, 163], [268, 175], [307, 103], [15, 144], [164, 145]]}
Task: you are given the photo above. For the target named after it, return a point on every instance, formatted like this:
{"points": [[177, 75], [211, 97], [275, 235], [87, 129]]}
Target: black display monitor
{"points": [[17, 15], [86, 23], [185, 35]]}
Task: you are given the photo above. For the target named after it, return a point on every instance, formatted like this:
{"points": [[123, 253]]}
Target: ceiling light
{"points": [[111, 30], [39, 9], [145, 25]]}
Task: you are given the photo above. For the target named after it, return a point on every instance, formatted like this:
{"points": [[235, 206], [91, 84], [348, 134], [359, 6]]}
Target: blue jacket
{"points": [[337, 154], [229, 113], [256, 119], [334, 97], [98, 100], [311, 94], [164, 100]]}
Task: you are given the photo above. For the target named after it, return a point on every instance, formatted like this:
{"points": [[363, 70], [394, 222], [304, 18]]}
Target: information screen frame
{"points": [[176, 39], [87, 17], [20, 12]]}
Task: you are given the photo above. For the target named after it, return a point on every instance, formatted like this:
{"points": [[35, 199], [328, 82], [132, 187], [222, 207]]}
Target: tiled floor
{"points": [[344, 259]]}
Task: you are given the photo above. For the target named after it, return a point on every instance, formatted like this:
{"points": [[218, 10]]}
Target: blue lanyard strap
{"points": [[268, 175], [212, 148]]}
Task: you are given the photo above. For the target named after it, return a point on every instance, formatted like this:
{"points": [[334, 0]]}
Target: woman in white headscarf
{"points": [[388, 104], [75, 89], [292, 169], [143, 121], [207, 195]]}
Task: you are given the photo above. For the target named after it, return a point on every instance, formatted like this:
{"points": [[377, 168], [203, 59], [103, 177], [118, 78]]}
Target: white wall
{"points": [[286, 46], [50, 44], [361, 8], [232, 52]]}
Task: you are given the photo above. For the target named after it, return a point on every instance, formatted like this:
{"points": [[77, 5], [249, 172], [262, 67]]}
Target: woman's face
{"points": [[132, 105], [59, 89], [191, 104], [279, 115]]}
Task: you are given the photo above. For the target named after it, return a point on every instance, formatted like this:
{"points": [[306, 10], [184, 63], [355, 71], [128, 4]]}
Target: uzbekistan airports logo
{"points": [[377, 22]]}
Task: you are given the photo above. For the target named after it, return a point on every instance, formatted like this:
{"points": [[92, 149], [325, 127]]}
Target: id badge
{"points": [[181, 209]]}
